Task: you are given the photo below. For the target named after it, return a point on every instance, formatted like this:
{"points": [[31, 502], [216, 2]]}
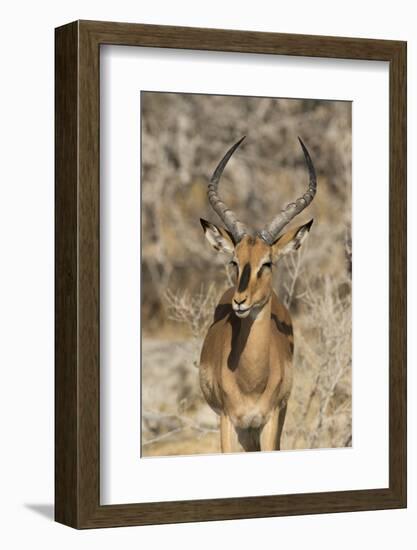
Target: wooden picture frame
{"points": [[77, 373]]}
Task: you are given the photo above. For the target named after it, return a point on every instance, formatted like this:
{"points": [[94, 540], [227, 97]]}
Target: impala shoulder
{"points": [[209, 386], [278, 308], [224, 307], [280, 317], [227, 296]]}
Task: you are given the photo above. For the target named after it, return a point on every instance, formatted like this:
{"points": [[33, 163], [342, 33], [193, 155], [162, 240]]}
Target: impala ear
{"points": [[291, 240], [220, 239]]}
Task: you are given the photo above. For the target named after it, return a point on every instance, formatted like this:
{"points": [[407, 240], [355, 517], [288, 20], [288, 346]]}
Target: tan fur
{"points": [[246, 363], [246, 360]]}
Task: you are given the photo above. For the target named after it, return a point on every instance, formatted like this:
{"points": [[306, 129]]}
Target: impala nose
{"points": [[239, 302]]}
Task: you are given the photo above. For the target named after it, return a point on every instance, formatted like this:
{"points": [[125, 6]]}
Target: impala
{"points": [[247, 355]]}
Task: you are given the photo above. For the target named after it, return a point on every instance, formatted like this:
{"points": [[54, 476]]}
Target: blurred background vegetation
{"points": [[183, 138]]}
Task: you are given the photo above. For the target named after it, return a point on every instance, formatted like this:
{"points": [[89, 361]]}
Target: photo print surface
{"points": [[246, 274]]}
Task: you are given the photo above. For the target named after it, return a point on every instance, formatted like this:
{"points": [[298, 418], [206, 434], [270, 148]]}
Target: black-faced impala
{"points": [[247, 355]]}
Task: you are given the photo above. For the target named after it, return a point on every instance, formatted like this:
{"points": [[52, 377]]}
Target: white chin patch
{"points": [[242, 314]]}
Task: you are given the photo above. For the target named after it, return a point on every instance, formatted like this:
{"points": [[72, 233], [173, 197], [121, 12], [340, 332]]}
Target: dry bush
{"points": [[320, 408]]}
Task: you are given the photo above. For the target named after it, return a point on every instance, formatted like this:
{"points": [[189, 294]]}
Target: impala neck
{"points": [[250, 348]]}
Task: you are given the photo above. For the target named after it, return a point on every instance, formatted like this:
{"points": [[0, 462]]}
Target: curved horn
{"points": [[236, 228], [271, 232]]}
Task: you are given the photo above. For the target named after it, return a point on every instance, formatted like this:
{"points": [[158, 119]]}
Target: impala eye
{"points": [[233, 263], [267, 265]]}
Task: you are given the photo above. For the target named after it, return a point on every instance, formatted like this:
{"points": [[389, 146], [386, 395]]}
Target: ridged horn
{"points": [[236, 228], [272, 231]]}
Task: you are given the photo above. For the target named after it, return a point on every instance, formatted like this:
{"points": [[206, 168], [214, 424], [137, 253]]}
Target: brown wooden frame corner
{"points": [[77, 361]]}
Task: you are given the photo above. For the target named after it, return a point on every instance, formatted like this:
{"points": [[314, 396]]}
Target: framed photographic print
{"points": [[230, 274]]}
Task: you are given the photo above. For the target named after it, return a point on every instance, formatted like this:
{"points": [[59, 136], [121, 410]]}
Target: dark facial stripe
{"points": [[244, 279]]}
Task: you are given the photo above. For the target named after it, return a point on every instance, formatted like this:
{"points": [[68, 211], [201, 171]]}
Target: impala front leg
{"points": [[228, 436], [272, 431]]}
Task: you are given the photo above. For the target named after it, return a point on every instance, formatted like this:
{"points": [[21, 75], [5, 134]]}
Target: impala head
{"points": [[253, 255]]}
